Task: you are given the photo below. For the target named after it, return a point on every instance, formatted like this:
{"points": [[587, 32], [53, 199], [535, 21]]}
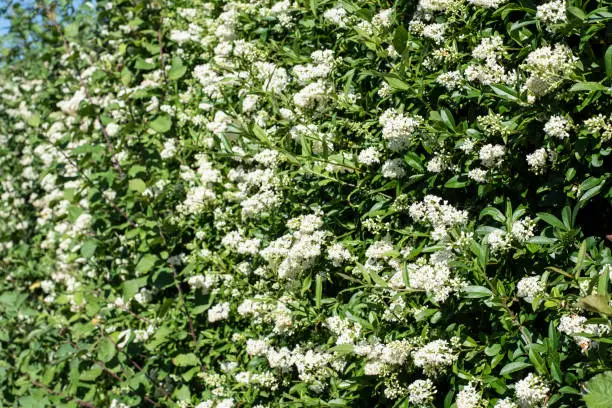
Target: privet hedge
{"points": [[310, 203]]}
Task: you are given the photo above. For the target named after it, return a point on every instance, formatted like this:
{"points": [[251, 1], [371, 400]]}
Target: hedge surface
{"points": [[310, 203]]}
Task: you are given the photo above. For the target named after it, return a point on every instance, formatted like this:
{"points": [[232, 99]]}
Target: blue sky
{"points": [[5, 23]]}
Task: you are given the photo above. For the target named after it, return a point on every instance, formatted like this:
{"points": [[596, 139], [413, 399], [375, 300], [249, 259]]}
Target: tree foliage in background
{"points": [[309, 203]]}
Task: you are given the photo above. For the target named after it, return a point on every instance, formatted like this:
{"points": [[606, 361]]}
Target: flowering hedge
{"points": [[318, 203]]}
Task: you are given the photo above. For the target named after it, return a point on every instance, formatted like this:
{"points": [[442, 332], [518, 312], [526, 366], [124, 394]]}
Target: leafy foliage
{"points": [[262, 204]]}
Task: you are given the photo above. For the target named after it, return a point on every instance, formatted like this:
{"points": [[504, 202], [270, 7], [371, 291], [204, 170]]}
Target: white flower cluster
{"points": [[506, 403], [235, 241], [421, 392], [478, 175], [256, 309], [435, 5], [531, 391], [201, 182], [501, 241], [557, 126], [600, 125], [548, 66], [384, 18], [222, 403], [435, 357], [398, 129], [338, 254], [169, 150], [296, 251], [265, 380], [313, 366], [369, 156], [347, 332], [323, 63], [438, 214], [274, 79], [530, 287], [435, 32], [487, 3], [258, 191], [490, 50], [537, 160], [451, 80], [337, 15], [219, 312], [393, 169], [384, 357], [469, 397], [574, 324], [552, 13], [434, 278], [313, 96], [492, 155]]}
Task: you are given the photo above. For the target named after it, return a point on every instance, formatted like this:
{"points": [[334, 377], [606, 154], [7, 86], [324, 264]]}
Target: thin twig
{"points": [[161, 48], [178, 286]]}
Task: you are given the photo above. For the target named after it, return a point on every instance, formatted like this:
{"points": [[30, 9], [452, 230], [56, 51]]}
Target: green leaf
{"points": [[481, 252], [414, 161], [454, 182], [576, 12], [182, 393], [447, 118], [146, 263], [608, 62], [580, 259], [596, 303], [260, 134], [493, 350], [142, 64], [396, 83], [137, 185], [493, 213], [505, 92], [89, 248], [186, 360], [318, 290], [604, 282], [132, 286], [161, 124], [90, 375], [587, 86], [177, 70], [599, 391], [126, 76], [376, 278], [513, 367], [74, 212], [342, 348], [106, 350], [538, 362], [541, 240], [400, 38], [552, 220], [474, 292], [71, 30], [590, 193], [34, 120]]}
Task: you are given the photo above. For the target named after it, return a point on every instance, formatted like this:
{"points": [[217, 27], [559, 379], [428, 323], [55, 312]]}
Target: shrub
{"points": [[317, 203]]}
